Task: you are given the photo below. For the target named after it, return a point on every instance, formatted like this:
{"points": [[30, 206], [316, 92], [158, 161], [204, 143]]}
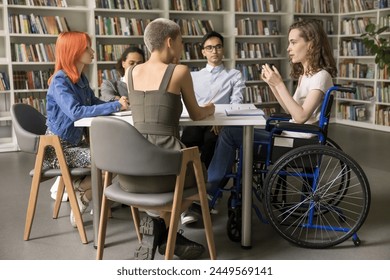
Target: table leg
{"points": [[97, 192], [246, 226]]}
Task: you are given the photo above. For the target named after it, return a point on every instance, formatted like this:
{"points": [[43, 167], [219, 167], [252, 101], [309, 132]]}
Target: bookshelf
{"points": [[255, 33], [370, 107]]}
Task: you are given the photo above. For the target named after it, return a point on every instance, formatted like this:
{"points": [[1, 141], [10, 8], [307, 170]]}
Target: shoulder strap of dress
{"points": [[167, 77], [130, 78]]}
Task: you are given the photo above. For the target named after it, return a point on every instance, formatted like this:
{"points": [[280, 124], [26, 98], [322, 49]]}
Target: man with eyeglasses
{"points": [[212, 84]]}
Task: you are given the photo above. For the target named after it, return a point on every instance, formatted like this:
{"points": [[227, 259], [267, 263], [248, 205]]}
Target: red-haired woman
{"points": [[69, 99]]}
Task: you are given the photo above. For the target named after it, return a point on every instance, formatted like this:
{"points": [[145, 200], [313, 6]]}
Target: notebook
{"points": [[244, 112], [122, 113]]}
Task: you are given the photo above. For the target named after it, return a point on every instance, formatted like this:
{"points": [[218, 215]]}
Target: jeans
{"points": [[229, 140]]}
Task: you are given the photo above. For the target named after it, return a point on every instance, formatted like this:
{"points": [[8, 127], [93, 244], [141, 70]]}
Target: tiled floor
{"points": [[56, 239]]}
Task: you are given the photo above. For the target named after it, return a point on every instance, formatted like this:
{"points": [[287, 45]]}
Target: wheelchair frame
{"points": [[314, 195]]}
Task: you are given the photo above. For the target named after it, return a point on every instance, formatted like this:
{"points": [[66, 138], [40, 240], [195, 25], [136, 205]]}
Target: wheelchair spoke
{"points": [[316, 196]]}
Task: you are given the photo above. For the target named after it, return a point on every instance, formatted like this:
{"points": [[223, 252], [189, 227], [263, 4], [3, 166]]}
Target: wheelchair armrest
{"points": [[275, 118], [280, 116], [297, 127]]}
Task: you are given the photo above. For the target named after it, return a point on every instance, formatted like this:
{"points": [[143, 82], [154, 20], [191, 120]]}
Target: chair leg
{"points": [[76, 210], [36, 180], [205, 207], [136, 220], [32, 203], [55, 142], [107, 180], [60, 193], [102, 228]]}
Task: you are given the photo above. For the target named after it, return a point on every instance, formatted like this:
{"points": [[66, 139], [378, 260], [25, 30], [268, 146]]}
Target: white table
{"points": [[218, 119]]}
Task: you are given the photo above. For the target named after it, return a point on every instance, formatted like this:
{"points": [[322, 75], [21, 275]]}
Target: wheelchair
{"points": [[311, 192]]}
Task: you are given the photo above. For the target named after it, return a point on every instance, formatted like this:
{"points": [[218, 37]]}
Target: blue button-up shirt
{"points": [[218, 85], [67, 102]]}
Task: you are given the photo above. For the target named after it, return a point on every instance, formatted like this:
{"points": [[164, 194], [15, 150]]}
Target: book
{"points": [[244, 112]]}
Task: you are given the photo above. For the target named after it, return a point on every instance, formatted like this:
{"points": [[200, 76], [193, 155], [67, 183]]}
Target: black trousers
{"points": [[202, 137]]}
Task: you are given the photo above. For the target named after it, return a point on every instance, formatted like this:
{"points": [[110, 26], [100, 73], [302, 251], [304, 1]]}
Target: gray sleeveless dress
{"points": [[156, 115]]}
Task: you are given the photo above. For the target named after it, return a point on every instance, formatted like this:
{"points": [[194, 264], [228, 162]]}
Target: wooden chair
{"points": [[30, 128], [131, 154]]}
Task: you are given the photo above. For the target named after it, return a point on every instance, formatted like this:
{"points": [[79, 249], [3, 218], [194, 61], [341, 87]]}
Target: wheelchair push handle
{"points": [[343, 89]]}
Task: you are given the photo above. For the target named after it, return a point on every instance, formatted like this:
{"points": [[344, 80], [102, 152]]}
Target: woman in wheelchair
{"points": [[314, 66]]}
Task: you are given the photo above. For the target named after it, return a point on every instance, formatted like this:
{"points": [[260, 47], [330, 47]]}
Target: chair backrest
{"points": [[118, 147], [326, 107], [28, 125]]}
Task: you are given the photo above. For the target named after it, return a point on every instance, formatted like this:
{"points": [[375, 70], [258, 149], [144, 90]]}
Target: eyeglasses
{"points": [[211, 48]]}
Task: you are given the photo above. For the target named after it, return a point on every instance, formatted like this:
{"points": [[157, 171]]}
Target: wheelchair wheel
{"points": [[331, 143], [233, 226], [308, 201]]}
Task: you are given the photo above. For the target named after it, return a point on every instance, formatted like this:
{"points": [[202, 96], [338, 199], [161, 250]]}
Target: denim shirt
{"points": [[67, 102]]}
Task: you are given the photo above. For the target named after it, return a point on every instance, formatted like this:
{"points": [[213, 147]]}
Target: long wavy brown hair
{"points": [[70, 46], [320, 54]]}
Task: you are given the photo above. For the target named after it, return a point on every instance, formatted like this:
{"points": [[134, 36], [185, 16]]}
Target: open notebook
{"points": [[122, 113], [243, 110]]}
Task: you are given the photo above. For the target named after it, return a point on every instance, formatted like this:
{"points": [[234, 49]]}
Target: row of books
{"points": [[383, 93], [314, 6], [31, 24], [258, 94], [250, 26], [192, 51], [43, 3], [194, 27], [31, 79], [107, 74], [36, 102], [250, 72], [268, 111], [363, 92], [347, 6], [353, 47], [196, 5], [264, 6], [382, 116], [352, 26], [384, 74], [120, 26], [384, 21], [327, 24], [351, 69], [4, 81], [255, 50], [124, 4], [383, 4], [107, 52], [352, 112], [33, 52]]}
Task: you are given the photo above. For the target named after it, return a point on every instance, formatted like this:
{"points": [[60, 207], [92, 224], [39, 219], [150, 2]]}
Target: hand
{"points": [[211, 108], [216, 129], [271, 75], [124, 102]]}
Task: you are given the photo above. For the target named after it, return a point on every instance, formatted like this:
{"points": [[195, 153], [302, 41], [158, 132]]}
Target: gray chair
{"points": [[130, 154], [30, 127]]}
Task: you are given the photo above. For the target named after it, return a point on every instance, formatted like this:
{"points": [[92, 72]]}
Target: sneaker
{"points": [[191, 215], [83, 205], [213, 208], [185, 249], [54, 189], [152, 230]]}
